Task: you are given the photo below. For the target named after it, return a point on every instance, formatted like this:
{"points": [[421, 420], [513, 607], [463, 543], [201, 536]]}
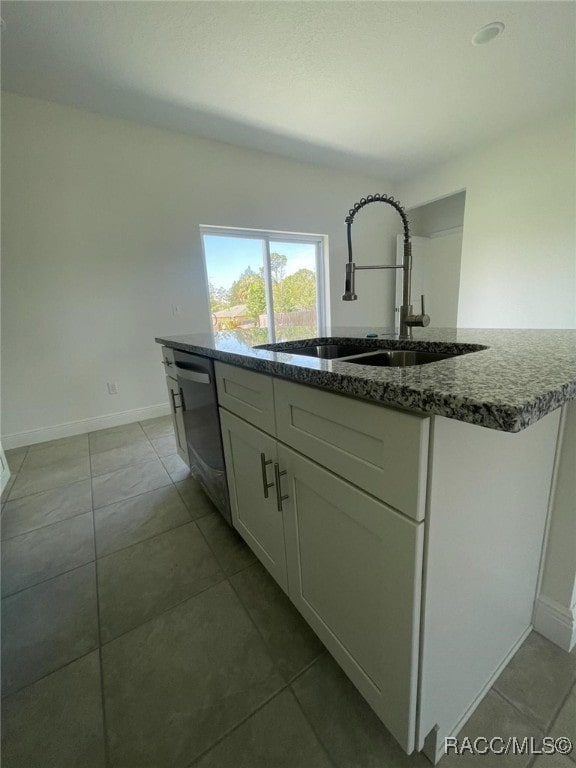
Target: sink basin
{"points": [[397, 358], [331, 351], [380, 352]]}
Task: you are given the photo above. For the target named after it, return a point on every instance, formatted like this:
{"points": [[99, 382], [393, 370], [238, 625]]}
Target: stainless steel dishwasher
{"points": [[199, 408]]}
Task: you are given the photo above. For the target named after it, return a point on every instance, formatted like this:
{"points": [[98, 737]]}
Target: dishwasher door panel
{"points": [[202, 426]]}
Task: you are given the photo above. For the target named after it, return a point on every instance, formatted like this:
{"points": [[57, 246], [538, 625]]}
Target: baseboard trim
{"points": [[18, 439], [556, 622]]}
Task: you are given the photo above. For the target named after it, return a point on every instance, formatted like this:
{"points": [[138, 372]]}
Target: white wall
{"points": [[519, 244], [100, 238]]}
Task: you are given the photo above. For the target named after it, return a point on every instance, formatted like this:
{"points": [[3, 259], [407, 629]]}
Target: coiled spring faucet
{"points": [[407, 318]]}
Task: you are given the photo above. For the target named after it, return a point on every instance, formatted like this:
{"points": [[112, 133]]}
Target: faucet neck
{"points": [[406, 308], [349, 294], [377, 198]]}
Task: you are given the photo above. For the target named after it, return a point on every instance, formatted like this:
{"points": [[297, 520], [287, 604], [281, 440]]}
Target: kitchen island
{"points": [[407, 535]]}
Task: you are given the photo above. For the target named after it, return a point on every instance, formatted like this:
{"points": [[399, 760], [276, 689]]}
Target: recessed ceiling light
{"points": [[488, 33]]}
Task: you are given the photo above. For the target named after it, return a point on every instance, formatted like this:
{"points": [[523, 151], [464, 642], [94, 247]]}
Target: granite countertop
{"points": [[519, 377]]}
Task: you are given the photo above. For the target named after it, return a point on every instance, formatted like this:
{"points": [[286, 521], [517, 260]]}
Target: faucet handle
{"points": [[424, 318], [421, 320]]}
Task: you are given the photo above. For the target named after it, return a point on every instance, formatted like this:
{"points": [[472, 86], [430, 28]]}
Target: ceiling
{"points": [[382, 88]]}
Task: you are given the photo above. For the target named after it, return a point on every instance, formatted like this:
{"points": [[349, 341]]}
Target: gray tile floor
{"points": [[138, 631]]}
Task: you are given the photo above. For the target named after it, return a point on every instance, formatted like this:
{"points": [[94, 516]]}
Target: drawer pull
{"points": [[279, 497], [265, 484]]}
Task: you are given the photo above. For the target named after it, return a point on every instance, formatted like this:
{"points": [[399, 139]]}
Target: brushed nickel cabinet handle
{"points": [[279, 497], [174, 406], [265, 484]]}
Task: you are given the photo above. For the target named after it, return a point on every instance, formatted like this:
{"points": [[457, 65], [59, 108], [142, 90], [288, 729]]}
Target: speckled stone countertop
{"points": [[518, 378]]}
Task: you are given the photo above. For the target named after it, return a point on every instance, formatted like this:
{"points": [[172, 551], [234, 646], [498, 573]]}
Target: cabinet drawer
{"points": [[247, 394], [379, 449]]}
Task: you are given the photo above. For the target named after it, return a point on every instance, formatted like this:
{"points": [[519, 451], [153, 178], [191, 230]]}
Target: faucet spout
{"points": [[407, 318], [349, 292]]}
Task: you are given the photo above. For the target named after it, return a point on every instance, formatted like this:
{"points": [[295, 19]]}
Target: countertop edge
{"points": [[500, 416]]}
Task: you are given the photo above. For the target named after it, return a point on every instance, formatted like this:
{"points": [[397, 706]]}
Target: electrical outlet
{"points": [[112, 387], [176, 309]]}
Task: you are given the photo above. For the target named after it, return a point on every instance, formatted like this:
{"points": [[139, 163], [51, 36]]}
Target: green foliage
{"points": [[277, 267], [219, 298], [292, 293], [256, 298], [238, 293], [297, 291]]}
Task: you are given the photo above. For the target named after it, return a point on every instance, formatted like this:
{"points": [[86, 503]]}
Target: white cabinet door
{"points": [[176, 408], [354, 572], [250, 457]]}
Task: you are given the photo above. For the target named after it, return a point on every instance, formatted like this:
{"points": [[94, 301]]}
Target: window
{"points": [[268, 280]]}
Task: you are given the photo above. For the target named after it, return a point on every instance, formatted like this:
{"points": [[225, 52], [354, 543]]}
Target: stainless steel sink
{"points": [[398, 358], [331, 351], [380, 353]]}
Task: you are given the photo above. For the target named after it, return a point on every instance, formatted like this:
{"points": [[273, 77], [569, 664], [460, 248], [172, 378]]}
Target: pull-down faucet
{"points": [[407, 318]]}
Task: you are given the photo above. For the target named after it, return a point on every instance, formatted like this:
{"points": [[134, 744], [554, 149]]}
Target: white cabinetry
{"points": [[351, 564]]}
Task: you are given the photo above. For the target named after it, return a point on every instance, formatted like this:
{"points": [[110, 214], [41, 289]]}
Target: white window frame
{"points": [[269, 235]]}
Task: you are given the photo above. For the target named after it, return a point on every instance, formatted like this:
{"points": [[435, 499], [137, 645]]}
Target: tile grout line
{"points": [[16, 691], [126, 498], [105, 739], [311, 725], [49, 525], [542, 729], [92, 512], [259, 631], [184, 600], [66, 485], [529, 719], [226, 575], [163, 611], [50, 578], [70, 570], [9, 500], [148, 538], [151, 618], [5, 501], [260, 706], [563, 702], [286, 684]]}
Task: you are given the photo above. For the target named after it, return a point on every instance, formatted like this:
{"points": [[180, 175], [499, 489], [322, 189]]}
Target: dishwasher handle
{"points": [[192, 373]]}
